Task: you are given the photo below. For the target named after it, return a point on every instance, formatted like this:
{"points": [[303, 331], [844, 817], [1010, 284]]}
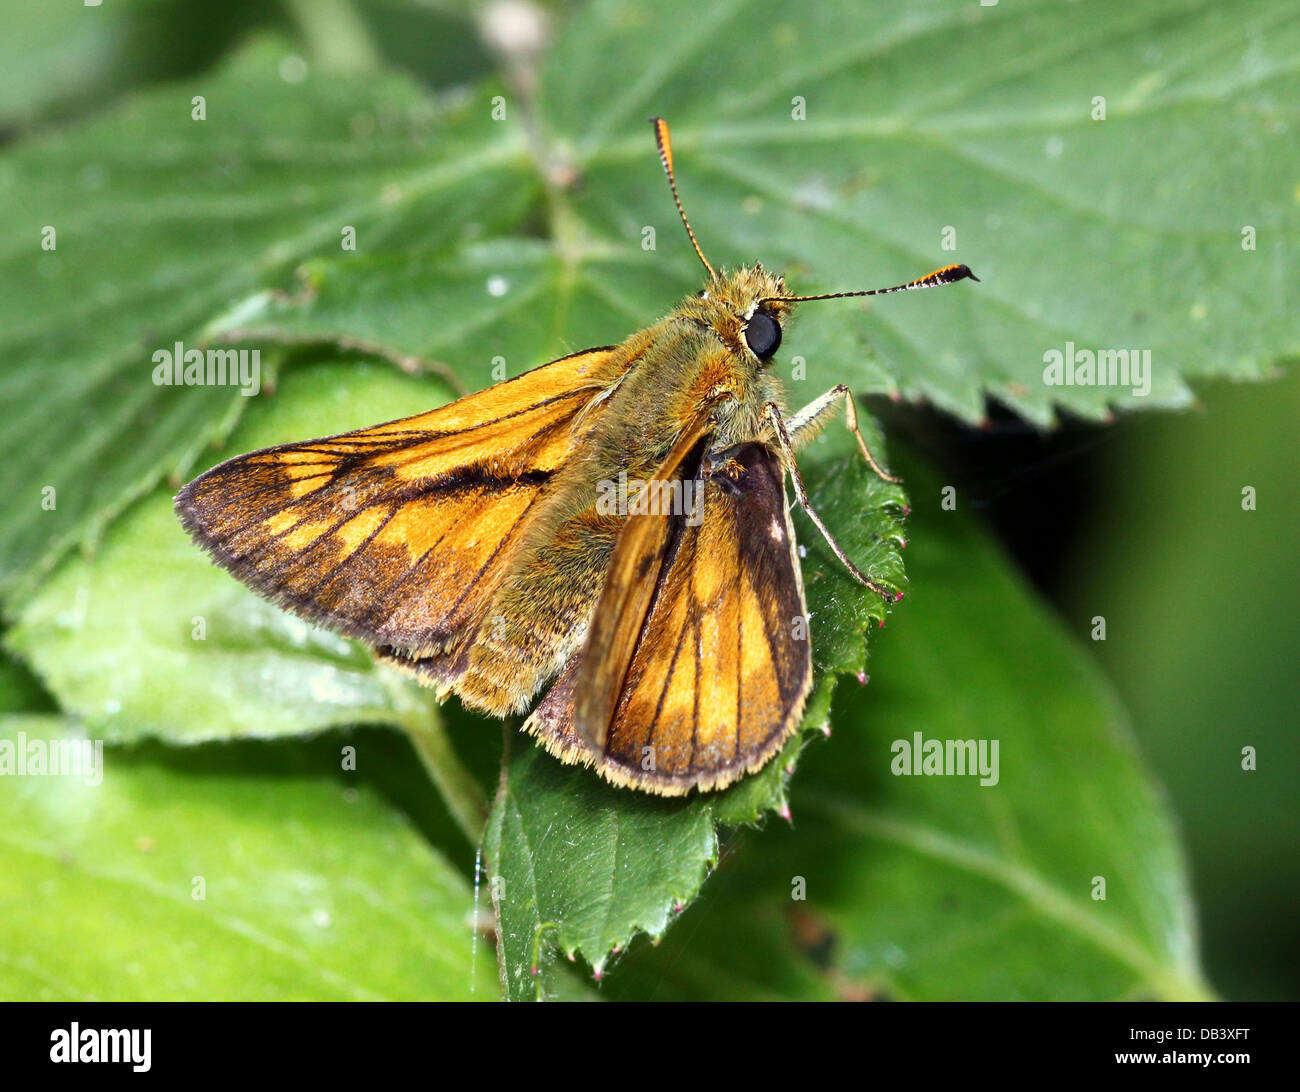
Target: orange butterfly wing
{"points": [[397, 534], [712, 681]]}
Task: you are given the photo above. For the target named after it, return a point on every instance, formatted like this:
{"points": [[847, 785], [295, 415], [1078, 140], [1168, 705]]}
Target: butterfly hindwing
{"points": [[397, 534]]}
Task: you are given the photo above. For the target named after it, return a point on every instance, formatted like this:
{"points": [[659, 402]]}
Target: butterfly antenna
{"points": [[947, 275], [666, 158]]}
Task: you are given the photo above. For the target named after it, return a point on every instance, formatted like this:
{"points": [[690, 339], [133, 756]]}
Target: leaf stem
{"points": [[455, 784]]}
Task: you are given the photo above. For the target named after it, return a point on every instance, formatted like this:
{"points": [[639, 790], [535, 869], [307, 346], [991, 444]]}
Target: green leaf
{"points": [[149, 638], [596, 871], [138, 639], [162, 223], [583, 866], [114, 638], [1122, 233], [936, 888], [300, 874], [737, 943]]}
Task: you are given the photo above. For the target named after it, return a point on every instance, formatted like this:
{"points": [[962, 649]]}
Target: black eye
{"points": [[762, 334]]}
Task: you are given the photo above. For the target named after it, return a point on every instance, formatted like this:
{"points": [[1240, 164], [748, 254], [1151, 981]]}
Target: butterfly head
{"points": [[740, 308], [747, 308]]}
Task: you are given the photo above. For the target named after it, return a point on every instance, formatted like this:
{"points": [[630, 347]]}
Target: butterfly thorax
{"points": [[699, 354], [692, 375]]}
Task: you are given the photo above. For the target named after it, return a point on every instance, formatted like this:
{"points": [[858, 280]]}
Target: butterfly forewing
{"points": [[397, 534], [633, 575], [720, 666]]}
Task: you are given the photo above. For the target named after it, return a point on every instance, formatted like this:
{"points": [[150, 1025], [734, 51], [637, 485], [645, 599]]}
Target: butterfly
{"points": [[492, 546]]}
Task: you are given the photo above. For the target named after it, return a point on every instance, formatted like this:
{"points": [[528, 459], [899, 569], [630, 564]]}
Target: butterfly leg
{"points": [[809, 421], [779, 427]]}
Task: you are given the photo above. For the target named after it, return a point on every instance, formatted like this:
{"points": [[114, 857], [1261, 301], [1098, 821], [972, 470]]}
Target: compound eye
{"points": [[762, 335]]}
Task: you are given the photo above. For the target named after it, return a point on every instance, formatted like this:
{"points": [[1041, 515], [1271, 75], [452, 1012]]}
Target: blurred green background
{"points": [[1203, 603], [1138, 519], [1141, 522]]}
